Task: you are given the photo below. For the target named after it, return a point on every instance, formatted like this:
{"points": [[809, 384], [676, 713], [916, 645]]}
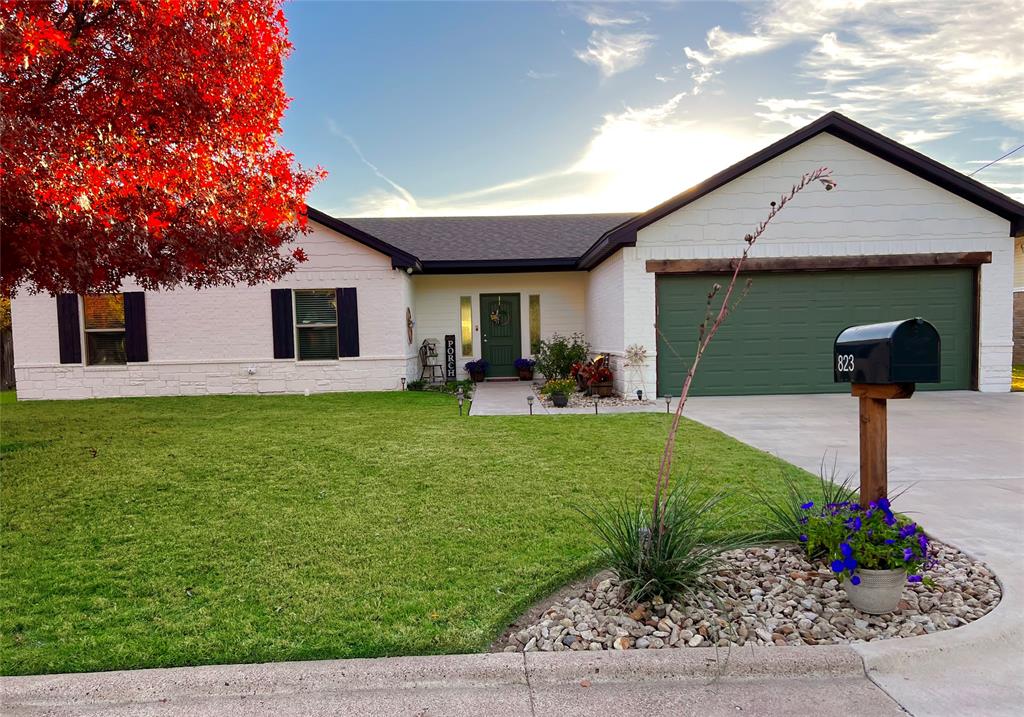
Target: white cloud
{"points": [[600, 16], [613, 53], [404, 197], [1008, 162], [635, 159], [891, 63], [535, 75]]}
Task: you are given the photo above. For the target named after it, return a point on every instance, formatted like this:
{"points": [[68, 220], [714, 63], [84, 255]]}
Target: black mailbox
{"points": [[905, 351]]}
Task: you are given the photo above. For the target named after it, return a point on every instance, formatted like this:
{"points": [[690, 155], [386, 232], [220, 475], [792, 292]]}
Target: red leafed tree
{"points": [[138, 139]]}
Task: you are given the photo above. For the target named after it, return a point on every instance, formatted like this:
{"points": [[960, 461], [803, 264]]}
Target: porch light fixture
{"points": [[462, 397], [668, 402], [529, 402], [639, 394]]}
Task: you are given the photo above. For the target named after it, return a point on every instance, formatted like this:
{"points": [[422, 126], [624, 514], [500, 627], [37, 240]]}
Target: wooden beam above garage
{"points": [[820, 263]]}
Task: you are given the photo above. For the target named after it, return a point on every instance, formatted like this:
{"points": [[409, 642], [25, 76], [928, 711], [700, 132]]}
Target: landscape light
{"points": [[462, 397], [529, 402], [668, 402], [639, 394]]}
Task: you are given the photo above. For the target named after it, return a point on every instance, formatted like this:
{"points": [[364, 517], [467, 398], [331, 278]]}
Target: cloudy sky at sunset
{"points": [[542, 107]]}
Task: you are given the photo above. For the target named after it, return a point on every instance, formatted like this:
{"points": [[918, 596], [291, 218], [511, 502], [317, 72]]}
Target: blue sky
{"points": [[542, 107]]}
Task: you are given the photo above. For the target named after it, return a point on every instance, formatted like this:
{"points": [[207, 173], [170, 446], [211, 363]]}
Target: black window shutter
{"points": [[69, 338], [136, 347], [281, 314], [348, 322]]}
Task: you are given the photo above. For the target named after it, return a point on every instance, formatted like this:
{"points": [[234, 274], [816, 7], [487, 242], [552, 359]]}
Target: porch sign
{"points": [[449, 357]]}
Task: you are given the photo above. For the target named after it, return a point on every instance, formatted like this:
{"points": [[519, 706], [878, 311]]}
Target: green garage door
{"points": [[780, 338]]}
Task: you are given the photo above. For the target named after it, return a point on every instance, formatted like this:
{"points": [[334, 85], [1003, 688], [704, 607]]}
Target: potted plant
{"points": [[525, 368], [559, 391], [595, 377], [477, 370], [874, 551]]}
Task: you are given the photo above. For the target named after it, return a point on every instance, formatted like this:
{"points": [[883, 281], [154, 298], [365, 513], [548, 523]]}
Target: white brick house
{"points": [[903, 235]]}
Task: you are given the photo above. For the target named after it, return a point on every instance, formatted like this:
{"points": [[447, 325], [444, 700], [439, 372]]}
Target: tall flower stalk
{"points": [[709, 327]]}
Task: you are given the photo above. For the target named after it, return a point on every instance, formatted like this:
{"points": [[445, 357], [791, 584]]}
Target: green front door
{"points": [[500, 333], [780, 338]]}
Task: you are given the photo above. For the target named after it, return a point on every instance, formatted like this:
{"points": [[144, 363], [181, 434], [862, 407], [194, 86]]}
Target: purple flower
{"points": [[883, 503], [923, 542], [855, 580], [890, 541], [890, 519], [855, 524], [907, 530], [803, 538], [845, 549], [837, 566], [850, 564], [807, 506], [914, 578], [803, 521], [908, 554]]}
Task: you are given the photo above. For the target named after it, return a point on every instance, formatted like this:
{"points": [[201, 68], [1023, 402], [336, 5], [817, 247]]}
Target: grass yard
{"points": [[184, 531], [1017, 382]]}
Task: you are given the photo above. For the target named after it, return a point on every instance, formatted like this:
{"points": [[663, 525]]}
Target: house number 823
{"points": [[844, 363]]}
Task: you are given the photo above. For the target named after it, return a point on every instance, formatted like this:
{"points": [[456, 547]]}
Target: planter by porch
{"points": [[603, 389], [879, 591], [559, 400], [526, 374], [477, 376]]}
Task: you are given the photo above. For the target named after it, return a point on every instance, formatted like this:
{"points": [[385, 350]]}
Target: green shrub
{"points": [[671, 562], [417, 385], [556, 355], [563, 385]]}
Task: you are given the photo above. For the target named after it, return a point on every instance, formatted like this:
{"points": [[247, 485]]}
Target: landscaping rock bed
{"points": [[764, 596], [578, 400]]}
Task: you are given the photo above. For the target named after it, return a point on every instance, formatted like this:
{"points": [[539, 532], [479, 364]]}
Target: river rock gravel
{"points": [[766, 596]]}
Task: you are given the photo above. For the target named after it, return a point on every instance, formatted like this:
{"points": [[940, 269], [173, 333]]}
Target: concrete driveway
{"points": [[960, 457]]}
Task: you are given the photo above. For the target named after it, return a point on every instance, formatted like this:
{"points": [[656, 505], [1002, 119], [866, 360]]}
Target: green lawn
{"points": [[182, 531]]}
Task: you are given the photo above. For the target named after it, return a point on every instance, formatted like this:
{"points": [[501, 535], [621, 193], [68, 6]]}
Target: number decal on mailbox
{"points": [[844, 363]]}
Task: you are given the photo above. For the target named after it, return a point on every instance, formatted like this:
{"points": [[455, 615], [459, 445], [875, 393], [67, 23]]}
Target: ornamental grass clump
{"points": [[673, 561], [852, 538]]}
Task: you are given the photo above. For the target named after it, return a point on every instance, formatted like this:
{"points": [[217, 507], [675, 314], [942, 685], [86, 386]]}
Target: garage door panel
{"points": [[780, 338]]}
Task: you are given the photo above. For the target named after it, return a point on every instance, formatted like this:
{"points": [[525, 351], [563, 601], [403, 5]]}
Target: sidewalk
{"points": [[825, 681], [508, 398]]}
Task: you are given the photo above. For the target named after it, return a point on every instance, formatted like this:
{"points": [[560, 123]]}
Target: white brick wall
{"points": [[878, 209], [206, 341]]}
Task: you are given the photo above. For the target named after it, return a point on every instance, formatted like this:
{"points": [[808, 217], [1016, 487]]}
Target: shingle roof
{"points": [[461, 239]]}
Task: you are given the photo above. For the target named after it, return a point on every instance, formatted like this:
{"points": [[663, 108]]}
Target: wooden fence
{"points": [[6, 359]]}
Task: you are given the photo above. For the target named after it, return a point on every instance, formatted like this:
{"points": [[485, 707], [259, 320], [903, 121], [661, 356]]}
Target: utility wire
{"points": [[998, 159]]}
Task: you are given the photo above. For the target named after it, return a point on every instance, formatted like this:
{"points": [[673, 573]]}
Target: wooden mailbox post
{"points": [[882, 362]]}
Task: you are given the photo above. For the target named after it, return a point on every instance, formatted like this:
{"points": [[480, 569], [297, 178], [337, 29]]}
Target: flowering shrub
{"points": [[525, 364], [872, 539], [591, 372], [564, 386], [556, 355]]}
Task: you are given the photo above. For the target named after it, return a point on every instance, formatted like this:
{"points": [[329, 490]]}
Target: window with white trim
{"points": [[316, 324]]}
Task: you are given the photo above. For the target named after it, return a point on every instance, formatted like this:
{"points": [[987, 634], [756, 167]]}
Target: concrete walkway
{"points": [[508, 398], [960, 455], [823, 681]]}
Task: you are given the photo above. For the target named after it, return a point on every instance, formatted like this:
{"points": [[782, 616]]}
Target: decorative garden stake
{"points": [[883, 361], [709, 327], [462, 397], [529, 402]]}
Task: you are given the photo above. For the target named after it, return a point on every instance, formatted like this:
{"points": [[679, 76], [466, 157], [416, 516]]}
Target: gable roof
{"points": [[400, 259], [839, 126], [466, 244]]}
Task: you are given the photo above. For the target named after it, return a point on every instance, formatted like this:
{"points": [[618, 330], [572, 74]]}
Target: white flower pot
{"points": [[879, 591]]}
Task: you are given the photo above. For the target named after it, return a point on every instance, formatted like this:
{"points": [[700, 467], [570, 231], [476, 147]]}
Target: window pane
{"points": [[105, 348], [316, 306], [534, 323], [318, 343], [104, 311], [466, 315]]}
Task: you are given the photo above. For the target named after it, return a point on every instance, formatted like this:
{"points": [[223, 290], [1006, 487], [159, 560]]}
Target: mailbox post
{"points": [[882, 362]]}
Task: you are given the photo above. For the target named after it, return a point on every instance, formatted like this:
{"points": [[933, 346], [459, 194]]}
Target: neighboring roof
{"points": [[399, 259], [553, 241], [838, 126]]}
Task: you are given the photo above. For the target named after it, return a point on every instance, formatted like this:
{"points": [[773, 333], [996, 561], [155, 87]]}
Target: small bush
{"points": [[556, 355], [417, 385], [565, 386], [676, 561]]}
